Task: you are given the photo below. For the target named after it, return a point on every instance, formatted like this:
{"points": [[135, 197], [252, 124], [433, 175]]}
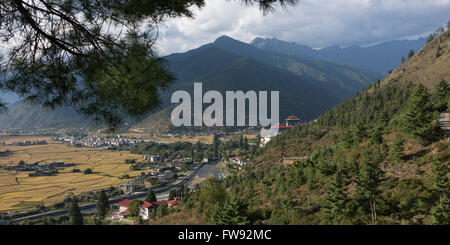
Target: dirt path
{"points": [[444, 121]]}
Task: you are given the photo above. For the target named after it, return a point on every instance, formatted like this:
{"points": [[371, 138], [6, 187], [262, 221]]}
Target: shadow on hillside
{"points": [[416, 155]]}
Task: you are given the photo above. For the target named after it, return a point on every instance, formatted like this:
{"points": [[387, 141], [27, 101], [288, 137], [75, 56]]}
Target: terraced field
{"points": [[27, 192]]}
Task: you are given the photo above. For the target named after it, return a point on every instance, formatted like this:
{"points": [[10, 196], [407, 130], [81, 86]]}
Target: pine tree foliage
{"points": [[75, 214], [442, 94], [102, 205], [150, 197], [96, 56], [368, 182], [410, 54], [234, 212], [336, 199], [417, 118], [441, 212], [397, 150], [439, 181]]}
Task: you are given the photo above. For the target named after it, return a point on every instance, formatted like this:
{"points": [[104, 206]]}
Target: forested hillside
{"points": [[377, 158]]}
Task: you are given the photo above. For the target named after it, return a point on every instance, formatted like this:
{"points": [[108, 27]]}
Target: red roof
{"points": [[146, 204], [173, 202], [282, 126], [124, 203], [158, 203]]}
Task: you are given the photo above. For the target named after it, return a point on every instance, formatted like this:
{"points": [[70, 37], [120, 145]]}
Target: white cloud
{"points": [[317, 23]]}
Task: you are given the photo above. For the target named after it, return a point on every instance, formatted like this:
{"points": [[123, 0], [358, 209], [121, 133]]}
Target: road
{"points": [[444, 121], [161, 194]]}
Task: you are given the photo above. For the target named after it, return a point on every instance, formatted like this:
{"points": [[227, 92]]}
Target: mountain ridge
{"points": [[381, 57]]}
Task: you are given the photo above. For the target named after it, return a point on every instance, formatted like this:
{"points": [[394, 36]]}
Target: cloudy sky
{"points": [[317, 23]]}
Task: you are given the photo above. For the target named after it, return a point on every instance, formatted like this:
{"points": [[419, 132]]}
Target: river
{"points": [[207, 170]]}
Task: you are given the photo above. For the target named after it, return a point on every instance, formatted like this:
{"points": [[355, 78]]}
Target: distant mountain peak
{"points": [[224, 38], [257, 40]]}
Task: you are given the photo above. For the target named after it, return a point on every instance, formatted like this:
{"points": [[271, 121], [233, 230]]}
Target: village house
{"points": [[169, 174], [127, 188], [152, 158], [144, 210], [150, 182], [290, 122], [139, 180], [238, 161], [145, 181]]}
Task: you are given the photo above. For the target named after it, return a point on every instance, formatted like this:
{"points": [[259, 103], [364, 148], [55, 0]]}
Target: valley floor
{"points": [[18, 191]]}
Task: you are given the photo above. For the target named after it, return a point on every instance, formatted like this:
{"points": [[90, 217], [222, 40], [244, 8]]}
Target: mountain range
{"points": [[308, 85], [381, 57]]}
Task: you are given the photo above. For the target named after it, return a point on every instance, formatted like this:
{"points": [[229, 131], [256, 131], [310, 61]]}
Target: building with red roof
{"points": [[290, 122], [145, 209]]}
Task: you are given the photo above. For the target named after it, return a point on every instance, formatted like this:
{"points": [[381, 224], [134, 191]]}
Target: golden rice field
{"points": [[27, 192]]}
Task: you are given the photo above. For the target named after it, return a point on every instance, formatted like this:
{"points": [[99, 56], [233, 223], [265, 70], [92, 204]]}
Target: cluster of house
{"points": [[144, 210], [152, 158], [98, 141], [148, 180], [239, 161], [171, 163], [27, 142]]}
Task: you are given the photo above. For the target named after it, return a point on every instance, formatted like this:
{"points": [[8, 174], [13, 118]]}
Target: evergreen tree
{"points": [[287, 204], [216, 143], [359, 132], [67, 54], [410, 54], [172, 194], [439, 179], [212, 191], [241, 141], [134, 208], [368, 181], [245, 143], [403, 59], [397, 149], [75, 214], [150, 197], [234, 212], [418, 115], [441, 212], [162, 211], [442, 93], [154, 212], [335, 201], [102, 204]]}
